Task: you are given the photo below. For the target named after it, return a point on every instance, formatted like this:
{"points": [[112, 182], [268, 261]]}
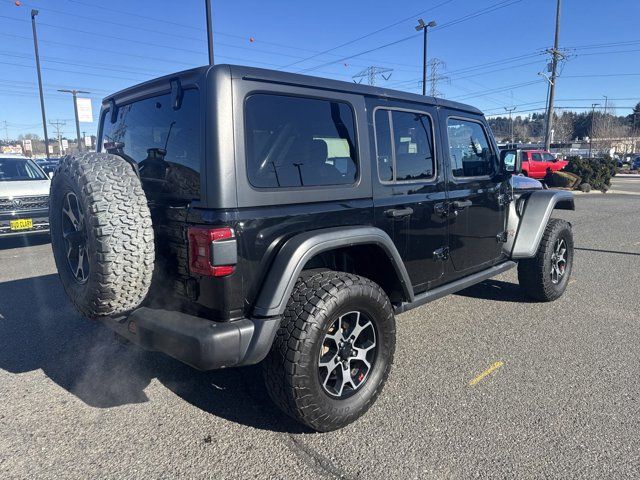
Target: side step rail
{"points": [[453, 287]]}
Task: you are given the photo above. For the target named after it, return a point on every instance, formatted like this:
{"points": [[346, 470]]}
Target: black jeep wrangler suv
{"points": [[236, 215]]}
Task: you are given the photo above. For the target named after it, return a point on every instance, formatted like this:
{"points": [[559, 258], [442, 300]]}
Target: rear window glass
{"points": [[407, 153], [164, 142], [299, 142]]}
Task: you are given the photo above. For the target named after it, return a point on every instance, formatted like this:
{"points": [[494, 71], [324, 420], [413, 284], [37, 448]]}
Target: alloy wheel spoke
{"points": [[71, 216], [361, 354], [80, 266], [358, 329], [346, 378]]}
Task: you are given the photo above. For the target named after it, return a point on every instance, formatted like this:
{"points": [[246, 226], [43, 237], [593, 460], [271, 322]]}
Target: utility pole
{"points": [[44, 116], [593, 112], [371, 73], [6, 132], [207, 5], [424, 27], [555, 53], [75, 93], [57, 124], [510, 110], [634, 130]]}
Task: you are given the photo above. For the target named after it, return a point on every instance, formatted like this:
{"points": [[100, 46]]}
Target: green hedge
{"points": [[597, 172]]}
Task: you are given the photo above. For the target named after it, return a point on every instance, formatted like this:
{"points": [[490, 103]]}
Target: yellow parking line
{"points": [[488, 371]]}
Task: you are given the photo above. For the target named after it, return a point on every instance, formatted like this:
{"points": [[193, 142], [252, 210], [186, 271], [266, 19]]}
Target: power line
{"points": [[503, 4], [368, 34], [482, 93], [228, 45]]}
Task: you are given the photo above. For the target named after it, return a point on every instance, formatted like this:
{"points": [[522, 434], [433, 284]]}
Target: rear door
{"points": [[409, 189], [476, 210]]}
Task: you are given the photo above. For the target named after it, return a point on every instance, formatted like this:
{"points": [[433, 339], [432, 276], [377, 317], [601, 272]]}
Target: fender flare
{"points": [[533, 220], [298, 250]]}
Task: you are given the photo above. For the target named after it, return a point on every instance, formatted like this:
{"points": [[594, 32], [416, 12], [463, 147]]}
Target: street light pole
{"points": [[424, 27], [593, 112], [75, 93], [209, 31], [44, 116]]}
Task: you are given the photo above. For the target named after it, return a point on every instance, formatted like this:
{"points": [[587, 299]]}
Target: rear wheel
{"points": [[333, 352], [545, 277]]}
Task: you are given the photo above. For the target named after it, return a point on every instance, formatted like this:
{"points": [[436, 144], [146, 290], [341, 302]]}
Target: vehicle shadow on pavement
{"points": [[496, 290], [39, 329], [19, 241]]}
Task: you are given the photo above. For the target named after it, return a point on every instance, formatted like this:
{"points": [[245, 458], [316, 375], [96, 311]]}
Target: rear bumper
{"points": [[199, 342]]}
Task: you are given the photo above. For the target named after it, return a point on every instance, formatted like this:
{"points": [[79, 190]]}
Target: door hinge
{"points": [[441, 254], [502, 237]]}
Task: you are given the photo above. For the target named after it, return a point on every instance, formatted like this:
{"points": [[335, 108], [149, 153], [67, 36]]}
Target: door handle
{"points": [[399, 212], [461, 204]]}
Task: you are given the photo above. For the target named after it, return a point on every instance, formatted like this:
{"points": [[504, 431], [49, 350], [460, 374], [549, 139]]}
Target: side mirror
{"points": [[50, 174], [510, 162]]}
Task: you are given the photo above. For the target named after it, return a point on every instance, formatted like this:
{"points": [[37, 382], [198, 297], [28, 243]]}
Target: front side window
{"points": [[404, 146], [18, 169], [548, 157], [162, 140], [299, 142], [469, 150]]}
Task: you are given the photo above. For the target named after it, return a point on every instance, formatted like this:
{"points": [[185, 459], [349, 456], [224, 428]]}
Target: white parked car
{"points": [[24, 197]]}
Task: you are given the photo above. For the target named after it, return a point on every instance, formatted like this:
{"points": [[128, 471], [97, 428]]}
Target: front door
{"points": [[409, 188], [476, 210]]}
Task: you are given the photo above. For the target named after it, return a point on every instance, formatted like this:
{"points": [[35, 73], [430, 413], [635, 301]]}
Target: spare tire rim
{"points": [[558, 261], [75, 237], [347, 354]]}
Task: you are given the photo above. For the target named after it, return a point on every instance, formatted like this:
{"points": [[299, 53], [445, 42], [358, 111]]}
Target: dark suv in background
{"points": [[236, 215]]}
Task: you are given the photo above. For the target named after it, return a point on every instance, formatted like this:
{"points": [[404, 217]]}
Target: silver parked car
{"points": [[24, 197]]}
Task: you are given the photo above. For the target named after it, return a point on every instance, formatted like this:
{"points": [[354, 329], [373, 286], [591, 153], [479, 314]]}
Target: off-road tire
{"points": [[291, 368], [118, 231], [534, 274]]}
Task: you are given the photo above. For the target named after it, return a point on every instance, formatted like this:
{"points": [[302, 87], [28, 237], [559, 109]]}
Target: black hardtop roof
{"points": [[286, 78]]}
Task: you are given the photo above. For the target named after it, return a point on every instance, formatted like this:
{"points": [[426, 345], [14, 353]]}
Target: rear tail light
{"points": [[212, 251]]}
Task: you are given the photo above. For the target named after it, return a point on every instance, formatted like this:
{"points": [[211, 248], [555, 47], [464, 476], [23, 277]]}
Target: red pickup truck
{"points": [[536, 163]]}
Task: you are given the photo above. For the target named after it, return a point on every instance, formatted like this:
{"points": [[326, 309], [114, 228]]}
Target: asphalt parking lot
{"points": [[563, 399]]}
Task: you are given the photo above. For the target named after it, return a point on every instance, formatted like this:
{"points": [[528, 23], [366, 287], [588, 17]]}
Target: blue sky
{"points": [[492, 49]]}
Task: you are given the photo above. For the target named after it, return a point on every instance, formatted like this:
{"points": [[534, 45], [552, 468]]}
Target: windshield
{"points": [[18, 169]]}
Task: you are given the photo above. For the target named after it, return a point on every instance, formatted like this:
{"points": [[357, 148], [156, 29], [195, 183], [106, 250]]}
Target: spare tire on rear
{"points": [[101, 234]]}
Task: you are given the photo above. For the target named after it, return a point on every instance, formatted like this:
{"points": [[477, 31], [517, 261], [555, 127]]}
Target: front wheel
{"points": [[333, 351], [545, 276]]}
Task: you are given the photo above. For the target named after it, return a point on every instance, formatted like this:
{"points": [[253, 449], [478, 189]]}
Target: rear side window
{"points": [[469, 150], [164, 142], [404, 146], [299, 142], [536, 157]]}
